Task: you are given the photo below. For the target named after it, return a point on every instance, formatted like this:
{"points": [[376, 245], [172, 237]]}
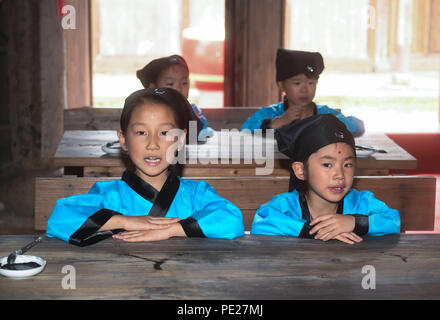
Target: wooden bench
{"points": [[414, 197]]}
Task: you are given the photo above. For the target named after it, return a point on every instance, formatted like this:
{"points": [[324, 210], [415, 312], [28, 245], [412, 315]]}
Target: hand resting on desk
{"points": [[144, 228], [335, 226]]}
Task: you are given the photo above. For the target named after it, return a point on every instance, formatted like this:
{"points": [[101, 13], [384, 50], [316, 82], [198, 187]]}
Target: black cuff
{"points": [[361, 225], [191, 228], [305, 232], [266, 124], [88, 233]]}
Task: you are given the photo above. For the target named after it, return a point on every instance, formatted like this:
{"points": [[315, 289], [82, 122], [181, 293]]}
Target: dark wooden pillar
{"points": [[25, 106], [5, 127], [36, 80], [254, 31], [49, 70]]}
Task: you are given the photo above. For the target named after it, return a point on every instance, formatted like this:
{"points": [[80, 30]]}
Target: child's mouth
{"points": [[152, 161], [337, 189]]}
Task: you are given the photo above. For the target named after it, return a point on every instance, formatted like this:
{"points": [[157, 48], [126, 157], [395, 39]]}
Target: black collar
{"points": [[305, 208], [161, 200], [144, 189]]}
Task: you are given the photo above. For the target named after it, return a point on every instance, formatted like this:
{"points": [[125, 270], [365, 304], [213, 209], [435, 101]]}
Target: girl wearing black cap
{"points": [[172, 72], [320, 203], [150, 202], [297, 74]]}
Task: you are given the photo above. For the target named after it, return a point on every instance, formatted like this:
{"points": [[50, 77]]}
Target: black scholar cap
{"points": [[300, 139], [289, 63]]}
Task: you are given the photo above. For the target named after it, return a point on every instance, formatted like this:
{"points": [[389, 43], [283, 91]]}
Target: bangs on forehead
{"points": [[147, 100], [157, 101], [183, 111]]}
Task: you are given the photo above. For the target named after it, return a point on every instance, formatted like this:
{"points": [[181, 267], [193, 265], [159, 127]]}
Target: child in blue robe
{"points": [[297, 74], [172, 72], [151, 202], [321, 203]]}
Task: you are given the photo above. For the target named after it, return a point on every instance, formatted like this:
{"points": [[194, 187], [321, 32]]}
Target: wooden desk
{"points": [[79, 152], [251, 267]]}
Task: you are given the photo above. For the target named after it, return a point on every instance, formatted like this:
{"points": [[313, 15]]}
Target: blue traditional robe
{"points": [[287, 214], [77, 219], [256, 121], [206, 132]]}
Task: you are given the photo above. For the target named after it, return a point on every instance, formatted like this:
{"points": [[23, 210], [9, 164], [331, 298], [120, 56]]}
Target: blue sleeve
{"points": [[206, 131], [281, 216], [254, 122], [72, 212], [216, 216], [353, 124], [199, 113], [382, 220]]}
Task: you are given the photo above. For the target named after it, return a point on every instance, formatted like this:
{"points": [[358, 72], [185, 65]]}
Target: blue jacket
{"points": [[286, 215], [77, 219], [354, 125], [207, 132]]}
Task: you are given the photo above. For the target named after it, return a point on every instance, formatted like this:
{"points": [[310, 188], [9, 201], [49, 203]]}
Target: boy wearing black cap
{"points": [[320, 203], [297, 74]]}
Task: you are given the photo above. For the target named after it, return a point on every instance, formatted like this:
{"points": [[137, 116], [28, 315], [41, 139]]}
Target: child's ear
{"points": [[298, 170], [121, 138], [280, 86]]}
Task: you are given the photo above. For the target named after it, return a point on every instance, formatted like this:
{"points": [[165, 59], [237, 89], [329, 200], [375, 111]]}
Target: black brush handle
{"points": [[30, 245]]}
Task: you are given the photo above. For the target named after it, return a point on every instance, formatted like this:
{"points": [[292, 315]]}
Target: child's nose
{"points": [[338, 173], [152, 143]]}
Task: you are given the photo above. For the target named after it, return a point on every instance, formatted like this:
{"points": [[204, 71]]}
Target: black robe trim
{"points": [[165, 197], [162, 200], [286, 106], [192, 228], [305, 231], [142, 188], [267, 123], [88, 233], [361, 225]]}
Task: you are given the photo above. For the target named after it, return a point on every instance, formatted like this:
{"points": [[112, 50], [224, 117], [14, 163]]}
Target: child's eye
{"points": [[141, 133], [327, 165], [348, 165], [163, 133]]}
